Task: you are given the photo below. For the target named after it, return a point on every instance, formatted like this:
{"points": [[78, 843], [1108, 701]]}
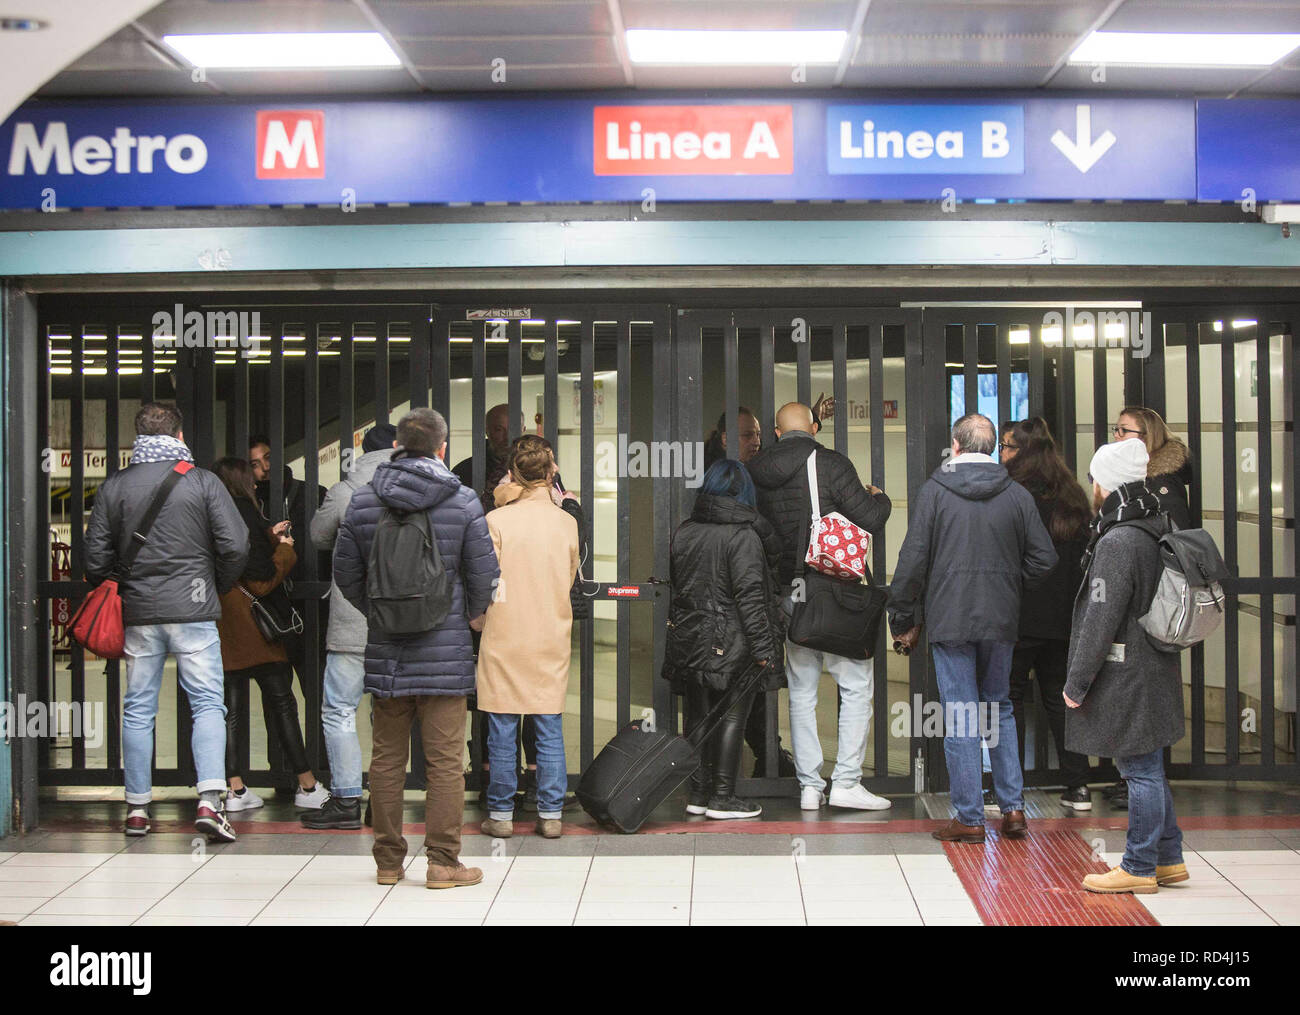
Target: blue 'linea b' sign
{"points": [[615, 148]]}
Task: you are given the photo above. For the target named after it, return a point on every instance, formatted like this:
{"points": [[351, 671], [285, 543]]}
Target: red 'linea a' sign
{"points": [[693, 140]]}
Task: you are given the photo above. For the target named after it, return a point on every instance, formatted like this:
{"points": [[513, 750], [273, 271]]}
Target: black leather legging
{"points": [[720, 754], [279, 711]]}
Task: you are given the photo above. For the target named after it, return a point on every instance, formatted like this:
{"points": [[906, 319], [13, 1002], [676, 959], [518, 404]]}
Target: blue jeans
{"points": [[1153, 833], [345, 678], [503, 759], [197, 649], [974, 680]]}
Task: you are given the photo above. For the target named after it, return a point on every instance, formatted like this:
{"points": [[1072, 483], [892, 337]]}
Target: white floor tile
{"points": [[744, 865], [631, 894], [6, 856], [880, 910], [27, 889], [947, 910], [756, 921], [1284, 909], [65, 906], [1265, 885], [117, 890], [858, 893], [550, 913], [1252, 857], [935, 891], [635, 911], [80, 919], [783, 892], [337, 893], [202, 908], [191, 921], [23, 904], [433, 919], [866, 921], [286, 863], [301, 909], [569, 894], [1255, 919], [582, 921], [1189, 904], [308, 921], [28, 860], [432, 905], [158, 861], [747, 911]]}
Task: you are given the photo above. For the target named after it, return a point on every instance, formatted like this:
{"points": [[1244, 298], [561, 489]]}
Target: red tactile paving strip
{"points": [[1035, 882]]}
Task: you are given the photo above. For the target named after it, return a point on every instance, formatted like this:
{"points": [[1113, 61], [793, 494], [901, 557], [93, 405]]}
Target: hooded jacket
{"points": [[974, 539], [782, 485], [725, 614], [440, 661], [347, 627], [1169, 474], [196, 550], [1130, 693]]}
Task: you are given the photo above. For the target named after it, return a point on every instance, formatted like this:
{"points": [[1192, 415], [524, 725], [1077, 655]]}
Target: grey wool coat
{"points": [[1134, 706], [347, 630]]}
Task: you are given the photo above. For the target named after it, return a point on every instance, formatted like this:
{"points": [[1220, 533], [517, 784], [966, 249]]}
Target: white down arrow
{"points": [[1083, 151]]}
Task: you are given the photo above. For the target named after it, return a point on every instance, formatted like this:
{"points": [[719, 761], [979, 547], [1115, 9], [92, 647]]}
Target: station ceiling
{"points": [[549, 45]]}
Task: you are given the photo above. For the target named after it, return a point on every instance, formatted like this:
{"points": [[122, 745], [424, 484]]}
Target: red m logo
{"points": [[290, 144]]}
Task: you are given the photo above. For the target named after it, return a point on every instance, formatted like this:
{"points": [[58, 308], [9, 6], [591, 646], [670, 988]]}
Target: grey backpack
{"points": [[1189, 603], [408, 591]]}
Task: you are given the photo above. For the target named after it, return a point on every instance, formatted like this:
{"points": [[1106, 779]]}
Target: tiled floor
{"points": [[681, 879]]}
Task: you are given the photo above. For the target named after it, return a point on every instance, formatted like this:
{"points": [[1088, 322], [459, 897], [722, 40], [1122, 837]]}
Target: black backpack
{"points": [[407, 588]]}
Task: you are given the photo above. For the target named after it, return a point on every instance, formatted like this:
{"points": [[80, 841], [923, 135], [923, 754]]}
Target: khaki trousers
{"points": [[442, 731]]}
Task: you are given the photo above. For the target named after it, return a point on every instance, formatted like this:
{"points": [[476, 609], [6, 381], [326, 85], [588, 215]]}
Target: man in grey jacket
{"points": [[171, 601], [345, 645], [974, 538], [1125, 696]]}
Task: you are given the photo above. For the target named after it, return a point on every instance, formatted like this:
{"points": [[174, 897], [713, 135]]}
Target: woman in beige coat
{"points": [[523, 659]]}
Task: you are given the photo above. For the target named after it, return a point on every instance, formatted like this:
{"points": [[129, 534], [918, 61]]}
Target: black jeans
{"points": [[279, 711], [720, 754], [1046, 657]]}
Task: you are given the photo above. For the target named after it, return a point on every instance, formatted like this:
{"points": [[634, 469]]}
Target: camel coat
{"points": [[523, 659], [242, 644]]}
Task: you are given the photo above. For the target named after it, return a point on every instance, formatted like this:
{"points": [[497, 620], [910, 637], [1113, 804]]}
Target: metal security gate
{"points": [[869, 361]]}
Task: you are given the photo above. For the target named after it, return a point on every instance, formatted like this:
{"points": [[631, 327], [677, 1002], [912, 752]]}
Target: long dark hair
{"points": [[1039, 468], [237, 477]]}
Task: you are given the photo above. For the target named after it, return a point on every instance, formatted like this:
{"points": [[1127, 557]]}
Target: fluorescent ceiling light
{"points": [[1184, 49], [285, 50], [737, 48]]}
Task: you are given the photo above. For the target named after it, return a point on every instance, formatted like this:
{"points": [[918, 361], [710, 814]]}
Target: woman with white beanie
{"points": [[1125, 696]]}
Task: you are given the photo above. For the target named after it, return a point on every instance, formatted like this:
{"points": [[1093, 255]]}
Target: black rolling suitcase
{"points": [[639, 769]]}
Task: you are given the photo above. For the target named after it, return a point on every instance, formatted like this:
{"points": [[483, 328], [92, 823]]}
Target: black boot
{"points": [[336, 812], [696, 705], [725, 748]]}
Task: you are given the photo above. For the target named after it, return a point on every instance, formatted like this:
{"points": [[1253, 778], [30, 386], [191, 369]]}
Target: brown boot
{"points": [[1171, 874], [1014, 825], [549, 828], [390, 877], [497, 829], [1117, 881], [955, 831], [459, 876]]}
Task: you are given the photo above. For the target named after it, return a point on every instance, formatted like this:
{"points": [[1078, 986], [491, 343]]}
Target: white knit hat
{"points": [[1116, 464]]}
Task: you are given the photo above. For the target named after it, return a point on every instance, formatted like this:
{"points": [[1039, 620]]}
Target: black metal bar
{"points": [[1290, 374], [421, 354], [478, 400], [205, 410], [312, 679], [1002, 336], [112, 432], [550, 384], [971, 367], [587, 674], [347, 401], [238, 407], [731, 385], [623, 677], [1192, 343], [1069, 410], [876, 397], [923, 359], [76, 516], [147, 386], [383, 402], [1232, 657], [663, 414], [840, 385], [514, 375], [1100, 402], [275, 426], [42, 539], [1264, 467], [767, 381]]}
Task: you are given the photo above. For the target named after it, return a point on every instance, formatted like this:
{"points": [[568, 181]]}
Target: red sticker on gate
{"points": [[693, 140], [623, 591]]}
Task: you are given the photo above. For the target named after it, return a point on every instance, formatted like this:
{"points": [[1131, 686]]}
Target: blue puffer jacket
{"points": [[441, 661]]}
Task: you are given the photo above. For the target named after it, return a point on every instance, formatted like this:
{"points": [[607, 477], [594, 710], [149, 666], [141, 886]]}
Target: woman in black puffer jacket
{"points": [[725, 619]]}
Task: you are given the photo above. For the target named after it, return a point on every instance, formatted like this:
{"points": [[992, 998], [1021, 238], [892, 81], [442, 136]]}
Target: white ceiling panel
{"points": [[950, 77], [351, 80], [704, 78], [521, 78], [723, 15], [938, 50], [1229, 16], [186, 17], [975, 17], [1214, 81], [487, 17], [570, 50]]}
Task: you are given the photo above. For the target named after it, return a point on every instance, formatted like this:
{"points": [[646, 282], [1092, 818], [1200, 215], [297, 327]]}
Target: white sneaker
{"points": [[859, 798], [247, 802], [811, 798], [312, 801]]}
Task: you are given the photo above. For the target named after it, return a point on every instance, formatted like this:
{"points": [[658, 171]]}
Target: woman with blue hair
{"points": [[725, 619]]}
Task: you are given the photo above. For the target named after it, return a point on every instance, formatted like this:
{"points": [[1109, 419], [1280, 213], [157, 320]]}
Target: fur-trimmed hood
{"points": [[1169, 459]]}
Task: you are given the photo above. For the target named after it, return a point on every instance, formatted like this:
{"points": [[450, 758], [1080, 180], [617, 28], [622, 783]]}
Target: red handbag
{"points": [[836, 547], [97, 624]]}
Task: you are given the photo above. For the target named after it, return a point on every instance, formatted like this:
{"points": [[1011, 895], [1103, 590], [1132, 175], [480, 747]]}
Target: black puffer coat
{"points": [[781, 480], [725, 615], [1169, 475]]}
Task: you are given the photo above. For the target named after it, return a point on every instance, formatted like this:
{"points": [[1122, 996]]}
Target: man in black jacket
{"points": [[780, 475], [195, 551], [974, 538]]}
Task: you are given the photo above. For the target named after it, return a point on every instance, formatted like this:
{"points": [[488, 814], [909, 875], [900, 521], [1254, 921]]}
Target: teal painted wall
{"points": [[647, 243]]}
